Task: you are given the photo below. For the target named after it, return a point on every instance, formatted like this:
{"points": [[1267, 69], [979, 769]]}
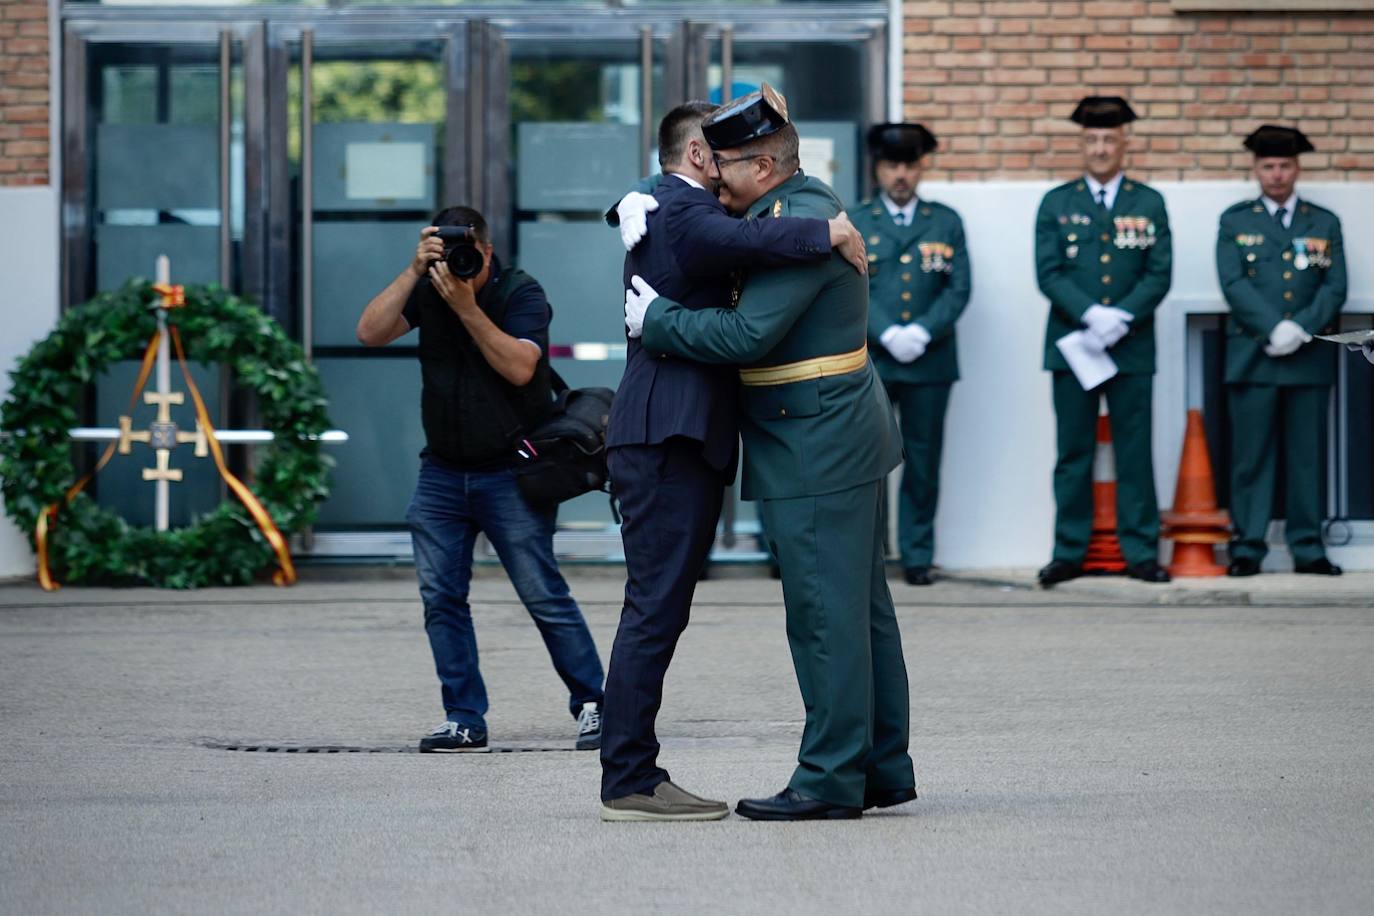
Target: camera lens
{"points": [[465, 261]]}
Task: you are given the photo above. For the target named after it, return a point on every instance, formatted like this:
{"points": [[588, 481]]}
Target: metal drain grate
{"points": [[355, 749]]}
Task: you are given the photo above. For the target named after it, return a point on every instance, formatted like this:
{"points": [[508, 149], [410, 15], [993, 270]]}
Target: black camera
{"points": [[461, 253]]}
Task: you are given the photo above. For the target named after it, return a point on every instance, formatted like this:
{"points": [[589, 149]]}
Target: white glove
{"points": [[637, 300], [1367, 348], [1107, 323], [1093, 341], [634, 209], [906, 343], [1286, 338]]}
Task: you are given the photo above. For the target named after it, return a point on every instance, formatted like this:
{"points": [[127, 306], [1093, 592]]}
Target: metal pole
{"points": [[307, 193], [727, 63], [226, 117], [161, 494], [646, 98]]}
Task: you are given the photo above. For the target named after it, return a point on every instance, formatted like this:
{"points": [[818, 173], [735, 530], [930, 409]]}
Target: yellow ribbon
{"points": [[173, 297], [286, 574]]}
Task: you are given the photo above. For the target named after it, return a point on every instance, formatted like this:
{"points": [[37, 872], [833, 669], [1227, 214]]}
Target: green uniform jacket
{"points": [[809, 437], [916, 273], [1269, 273], [1085, 256]]}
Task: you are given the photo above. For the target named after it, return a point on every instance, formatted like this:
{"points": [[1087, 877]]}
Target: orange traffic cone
{"points": [[1104, 548], [1195, 524]]}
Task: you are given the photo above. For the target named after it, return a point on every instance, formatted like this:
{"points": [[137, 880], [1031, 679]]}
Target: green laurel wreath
{"points": [[92, 545]]}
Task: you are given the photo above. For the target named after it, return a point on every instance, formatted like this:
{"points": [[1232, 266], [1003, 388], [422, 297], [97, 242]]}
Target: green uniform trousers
{"points": [[921, 415], [845, 645], [1129, 400], [1265, 418]]}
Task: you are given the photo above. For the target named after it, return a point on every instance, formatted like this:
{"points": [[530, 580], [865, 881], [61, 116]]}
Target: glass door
{"points": [[576, 112], [161, 153], [361, 161]]}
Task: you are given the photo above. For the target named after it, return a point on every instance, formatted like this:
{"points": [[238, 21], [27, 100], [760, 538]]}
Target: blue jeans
{"points": [[448, 510]]}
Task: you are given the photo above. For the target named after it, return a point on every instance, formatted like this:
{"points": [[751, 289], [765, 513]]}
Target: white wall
{"points": [[996, 502], [28, 311]]}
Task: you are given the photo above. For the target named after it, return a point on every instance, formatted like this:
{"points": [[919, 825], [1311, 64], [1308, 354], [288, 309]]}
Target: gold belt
{"points": [[807, 369]]}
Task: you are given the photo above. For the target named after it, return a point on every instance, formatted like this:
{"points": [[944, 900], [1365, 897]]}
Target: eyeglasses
{"points": [[721, 163]]}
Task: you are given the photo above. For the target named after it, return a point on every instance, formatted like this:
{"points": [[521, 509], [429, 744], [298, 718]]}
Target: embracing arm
{"points": [[769, 305], [709, 242]]}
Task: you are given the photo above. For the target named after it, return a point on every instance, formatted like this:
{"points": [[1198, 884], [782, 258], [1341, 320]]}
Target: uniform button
{"points": [[1073, 236], [1106, 300], [906, 277], [1252, 273], [906, 297], [872, 257], [906, 316], [1250, 256], [905, 259], [1288, 255], [782, 411], [1106, 278], [1288, 274], [873, 240], [1106, 237], [1288, 295], [1106, 259]]}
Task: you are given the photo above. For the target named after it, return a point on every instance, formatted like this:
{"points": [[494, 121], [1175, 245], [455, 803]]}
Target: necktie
{"points": [[1102, 198], [1279, 214], [901, 218]]}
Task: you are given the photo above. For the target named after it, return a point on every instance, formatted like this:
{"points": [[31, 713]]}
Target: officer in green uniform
{"points": [[918, 286], [1103, 258], [1282, 268], [819, 441]]}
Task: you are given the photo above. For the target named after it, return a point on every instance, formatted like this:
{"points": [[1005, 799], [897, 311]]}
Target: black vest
{"points": [[472, 415]]}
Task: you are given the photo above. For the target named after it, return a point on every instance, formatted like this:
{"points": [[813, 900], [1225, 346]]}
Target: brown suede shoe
{"points": [[667, 803]]}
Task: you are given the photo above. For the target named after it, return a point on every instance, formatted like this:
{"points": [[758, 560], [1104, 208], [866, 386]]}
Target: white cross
{"points": [[163, 434]]}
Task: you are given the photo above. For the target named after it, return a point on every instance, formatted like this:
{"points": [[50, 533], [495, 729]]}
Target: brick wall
{"points": [[996, 81], [23, 92]]}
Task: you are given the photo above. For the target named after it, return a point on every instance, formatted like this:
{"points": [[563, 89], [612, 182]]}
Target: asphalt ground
{"points": [[1105, 747]]}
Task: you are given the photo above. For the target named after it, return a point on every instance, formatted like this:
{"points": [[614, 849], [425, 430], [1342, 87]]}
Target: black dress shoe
{"points": [[1059, 571], [791, 805], [1243, 566], [1318, 567], [917, 575], [886, 798], [1147, 571]]}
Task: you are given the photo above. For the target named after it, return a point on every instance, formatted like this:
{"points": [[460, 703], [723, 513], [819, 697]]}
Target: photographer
{"points": [[485, 370]]}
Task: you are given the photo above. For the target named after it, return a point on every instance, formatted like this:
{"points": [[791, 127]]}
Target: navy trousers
{"points": [[670, 503]]}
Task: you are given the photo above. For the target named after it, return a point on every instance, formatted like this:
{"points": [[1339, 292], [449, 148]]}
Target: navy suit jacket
{"points": [[691, 254]]}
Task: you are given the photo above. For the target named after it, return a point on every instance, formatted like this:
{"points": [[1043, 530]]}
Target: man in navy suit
{"points": [[672, 448]]}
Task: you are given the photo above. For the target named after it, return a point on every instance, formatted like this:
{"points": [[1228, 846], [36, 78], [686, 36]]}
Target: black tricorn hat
{"points": [[1272, 140], [1103, 111], [900, 142], [746, 118]]}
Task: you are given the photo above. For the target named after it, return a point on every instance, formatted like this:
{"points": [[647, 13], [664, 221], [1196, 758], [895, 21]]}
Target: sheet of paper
{"points": [[387, 171], [817, 155], [1349, 337], [1089, 366]]}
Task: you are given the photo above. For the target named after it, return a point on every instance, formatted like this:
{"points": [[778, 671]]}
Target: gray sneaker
{"points": [[667, 803]]}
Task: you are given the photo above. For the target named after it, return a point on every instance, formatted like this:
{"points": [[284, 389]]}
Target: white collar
{"points": [[1288, 205], [691, 181], [1111, 187], [909, 210]]}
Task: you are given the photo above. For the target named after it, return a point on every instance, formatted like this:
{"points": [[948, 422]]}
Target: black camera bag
{"points": [[565, 454]]}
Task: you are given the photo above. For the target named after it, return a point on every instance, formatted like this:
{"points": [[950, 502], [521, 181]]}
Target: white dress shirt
{"points": [[1111, 187], [1289, 206], [902, 216]]}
